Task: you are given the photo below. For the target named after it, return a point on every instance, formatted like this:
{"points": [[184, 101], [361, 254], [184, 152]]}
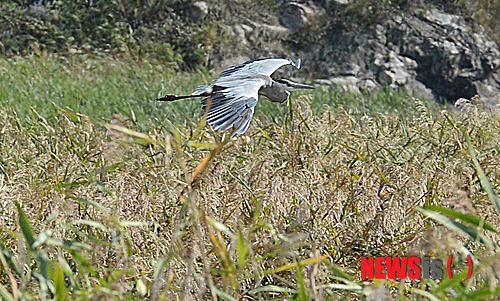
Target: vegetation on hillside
{"points": [[155, 29], [182, 34]]}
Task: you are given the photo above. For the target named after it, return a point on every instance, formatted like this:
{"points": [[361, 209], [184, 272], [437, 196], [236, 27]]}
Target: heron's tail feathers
{"points": [[201, 91]]}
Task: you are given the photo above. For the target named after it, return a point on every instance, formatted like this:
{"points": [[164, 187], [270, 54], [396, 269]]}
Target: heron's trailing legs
{"points": [[175, 97], [201, 91]]}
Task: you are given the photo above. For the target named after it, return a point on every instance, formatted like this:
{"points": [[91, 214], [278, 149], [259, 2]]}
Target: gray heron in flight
{"points": [[232, 97]]}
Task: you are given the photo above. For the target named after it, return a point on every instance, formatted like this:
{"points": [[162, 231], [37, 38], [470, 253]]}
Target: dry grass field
{"points": [[106, 195]]}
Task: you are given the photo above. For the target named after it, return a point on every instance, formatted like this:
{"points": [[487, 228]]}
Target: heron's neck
{"points": [[275, 92]]}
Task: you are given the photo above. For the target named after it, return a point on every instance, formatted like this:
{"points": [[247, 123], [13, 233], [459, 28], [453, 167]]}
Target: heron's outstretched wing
{"points": [[260, 66], [233, 105]]}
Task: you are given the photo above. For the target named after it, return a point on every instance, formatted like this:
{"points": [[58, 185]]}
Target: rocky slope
{"points": [[430, 53]]}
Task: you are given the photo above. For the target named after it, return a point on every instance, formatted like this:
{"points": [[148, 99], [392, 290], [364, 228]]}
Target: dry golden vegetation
{"points": [[106, 194], [121, 210]]}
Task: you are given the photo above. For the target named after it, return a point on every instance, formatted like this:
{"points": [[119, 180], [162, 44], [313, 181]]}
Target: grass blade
{"points": [[350, 286], [483, 293], [140, 137], [219, 226], [447, 282], [43, 277], [92, 203], [204, 145], [70, 245], [452, 225], [272, 289], [133, 224], [42, 238], [300, 281], [90, 223], [25, 226], [224, 295], [482, 176], [424, 293], [10, 260], [338, 271], [5, 294], [241, 247], [473, 220], [292, 265]]}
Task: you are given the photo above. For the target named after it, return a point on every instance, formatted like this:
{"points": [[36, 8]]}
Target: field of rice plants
{"points": [[107, 194]]}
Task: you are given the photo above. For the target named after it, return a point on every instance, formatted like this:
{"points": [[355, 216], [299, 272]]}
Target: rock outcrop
{"points": [[430, 53]]}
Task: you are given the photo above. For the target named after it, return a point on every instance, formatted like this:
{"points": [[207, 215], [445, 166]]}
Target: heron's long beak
{"points": [[302, 86]]}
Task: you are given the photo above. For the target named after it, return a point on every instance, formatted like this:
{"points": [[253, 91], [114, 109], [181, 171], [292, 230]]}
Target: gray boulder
{"points": [[432, 55]]}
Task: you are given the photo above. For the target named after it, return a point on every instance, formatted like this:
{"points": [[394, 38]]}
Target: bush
{"points": [[158, 29]]}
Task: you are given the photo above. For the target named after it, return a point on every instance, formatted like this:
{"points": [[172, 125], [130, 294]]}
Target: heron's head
{"points": [[288, 85]]}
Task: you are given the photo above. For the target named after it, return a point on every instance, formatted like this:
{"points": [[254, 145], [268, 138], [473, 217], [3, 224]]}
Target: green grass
{"points": [[96, 204], [100, 88], [97, 88]]}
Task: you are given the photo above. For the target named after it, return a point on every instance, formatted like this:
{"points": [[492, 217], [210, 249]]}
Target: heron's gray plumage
{"points": [[232, 97], [259, 66], [234, 105]]}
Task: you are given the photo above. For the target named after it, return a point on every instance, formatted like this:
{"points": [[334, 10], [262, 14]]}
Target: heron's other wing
{"points": [[260, 66], [234, 105]]}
